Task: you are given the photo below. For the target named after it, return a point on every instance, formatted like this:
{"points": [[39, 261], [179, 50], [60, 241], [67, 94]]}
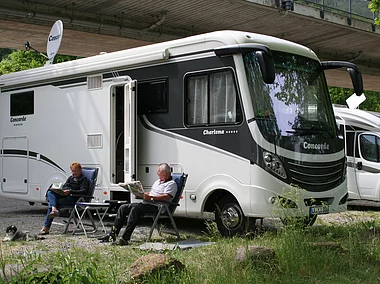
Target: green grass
{"points": [[296, 259]]}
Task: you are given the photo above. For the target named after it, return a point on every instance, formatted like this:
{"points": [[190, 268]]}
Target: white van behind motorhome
{"points": [[362, 135], [246, 116]]}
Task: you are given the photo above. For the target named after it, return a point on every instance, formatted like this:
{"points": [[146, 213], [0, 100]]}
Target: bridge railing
{"points": [[351, 8]]}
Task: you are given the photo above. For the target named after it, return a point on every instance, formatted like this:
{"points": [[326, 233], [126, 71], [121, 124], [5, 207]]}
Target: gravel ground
{"points": [[30, 219]]}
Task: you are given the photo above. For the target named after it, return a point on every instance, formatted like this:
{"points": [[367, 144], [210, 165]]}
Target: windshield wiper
{"points": [[302, 131], [311, 129]]}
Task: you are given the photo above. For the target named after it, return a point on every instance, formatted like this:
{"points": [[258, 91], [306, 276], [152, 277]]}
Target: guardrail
{"points": [[353, 9]]}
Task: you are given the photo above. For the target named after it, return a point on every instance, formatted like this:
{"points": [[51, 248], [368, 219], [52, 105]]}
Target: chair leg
{"points": [[71, 217], [158, 228], [101, 217], [80, 218], [92, 220], [173, 224], [154, 223], [81, 213]]}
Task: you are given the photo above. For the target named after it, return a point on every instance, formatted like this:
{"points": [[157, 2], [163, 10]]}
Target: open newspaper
{"points": [[135, 187], [57, 187]]}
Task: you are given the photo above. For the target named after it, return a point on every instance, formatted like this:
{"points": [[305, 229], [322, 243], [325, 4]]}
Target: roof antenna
{"points": [[29, 47]]}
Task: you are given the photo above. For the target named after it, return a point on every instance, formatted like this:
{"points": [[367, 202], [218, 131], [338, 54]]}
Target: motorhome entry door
{"points": [[130, 131], [14, 164]]}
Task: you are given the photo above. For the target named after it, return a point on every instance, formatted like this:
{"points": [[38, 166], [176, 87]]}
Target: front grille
{"points": [[318, 201], [315, 177]]}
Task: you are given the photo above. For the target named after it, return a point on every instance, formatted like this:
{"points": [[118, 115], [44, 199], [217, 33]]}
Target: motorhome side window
{"points": [[153, 96], [212, 99], [22, 103], [370, 147]]}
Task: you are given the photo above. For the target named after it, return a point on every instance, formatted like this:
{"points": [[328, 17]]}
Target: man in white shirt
{"points": [[164, 189]]}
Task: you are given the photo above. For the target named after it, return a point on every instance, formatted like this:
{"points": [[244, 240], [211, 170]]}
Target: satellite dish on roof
{"points": [[54, 40]]}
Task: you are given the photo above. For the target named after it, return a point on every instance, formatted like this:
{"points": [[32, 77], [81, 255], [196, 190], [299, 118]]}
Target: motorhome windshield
{"points": [[297, 103]]}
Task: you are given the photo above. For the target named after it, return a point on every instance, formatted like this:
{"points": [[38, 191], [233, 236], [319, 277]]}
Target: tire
{"points": [[303, 222], [229, 217]]}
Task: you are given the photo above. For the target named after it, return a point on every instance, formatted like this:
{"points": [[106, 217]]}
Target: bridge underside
{"points": [[91, 27]]}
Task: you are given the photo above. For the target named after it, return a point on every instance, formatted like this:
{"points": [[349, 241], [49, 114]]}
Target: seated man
{"points": [[164, 189], [76, 184]]}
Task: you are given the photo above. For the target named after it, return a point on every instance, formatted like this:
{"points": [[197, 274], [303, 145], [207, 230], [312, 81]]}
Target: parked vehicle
{"points": [[362, 135], [247, 116]]}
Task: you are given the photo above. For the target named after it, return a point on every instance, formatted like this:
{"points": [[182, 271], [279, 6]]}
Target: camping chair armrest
{"points": [[75, 195], [156, 203], [161, 203], [81, 196], [115, 202]]}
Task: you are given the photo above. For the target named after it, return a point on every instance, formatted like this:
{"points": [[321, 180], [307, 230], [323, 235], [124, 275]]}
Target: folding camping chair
{"points": [[166, 209], [84, 206]]}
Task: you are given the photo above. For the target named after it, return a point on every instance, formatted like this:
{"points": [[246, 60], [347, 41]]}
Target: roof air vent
{"points": [[94, 82]]}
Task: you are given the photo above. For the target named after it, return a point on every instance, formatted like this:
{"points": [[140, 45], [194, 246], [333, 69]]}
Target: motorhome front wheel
{"points": [[229, 217]]}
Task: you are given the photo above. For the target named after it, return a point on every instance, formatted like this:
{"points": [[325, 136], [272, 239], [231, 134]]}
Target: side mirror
{"points": [[353, 71], [263, 54], [266, 66], [357, 80]]}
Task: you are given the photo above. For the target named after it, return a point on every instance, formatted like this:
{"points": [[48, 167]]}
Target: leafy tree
{"points": [[22, 60], [375, 7], [339, 96]]}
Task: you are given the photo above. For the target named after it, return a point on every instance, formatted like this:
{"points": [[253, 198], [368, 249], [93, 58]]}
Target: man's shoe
{"points": [[120, 242], [107, 238]]}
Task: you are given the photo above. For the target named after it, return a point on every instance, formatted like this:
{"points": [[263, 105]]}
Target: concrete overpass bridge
{"points": [[334, 29]]}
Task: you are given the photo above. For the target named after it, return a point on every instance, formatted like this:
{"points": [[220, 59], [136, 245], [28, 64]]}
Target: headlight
{"points": [[274, 164]]}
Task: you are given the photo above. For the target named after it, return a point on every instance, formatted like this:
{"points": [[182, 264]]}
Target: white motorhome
{"points": [[362, 135], [247, 116]]}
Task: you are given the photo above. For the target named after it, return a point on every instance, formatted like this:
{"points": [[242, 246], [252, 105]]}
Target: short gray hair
{"points": [[165, 167]]}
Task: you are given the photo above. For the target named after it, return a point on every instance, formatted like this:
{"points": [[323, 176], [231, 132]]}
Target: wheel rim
{"points": [[231, 216]]}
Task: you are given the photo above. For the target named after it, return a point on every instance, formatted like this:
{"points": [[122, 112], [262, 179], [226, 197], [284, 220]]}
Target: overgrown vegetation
{"points": [[375, 8], [340, 95], [18, 60], [296, 260]]}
